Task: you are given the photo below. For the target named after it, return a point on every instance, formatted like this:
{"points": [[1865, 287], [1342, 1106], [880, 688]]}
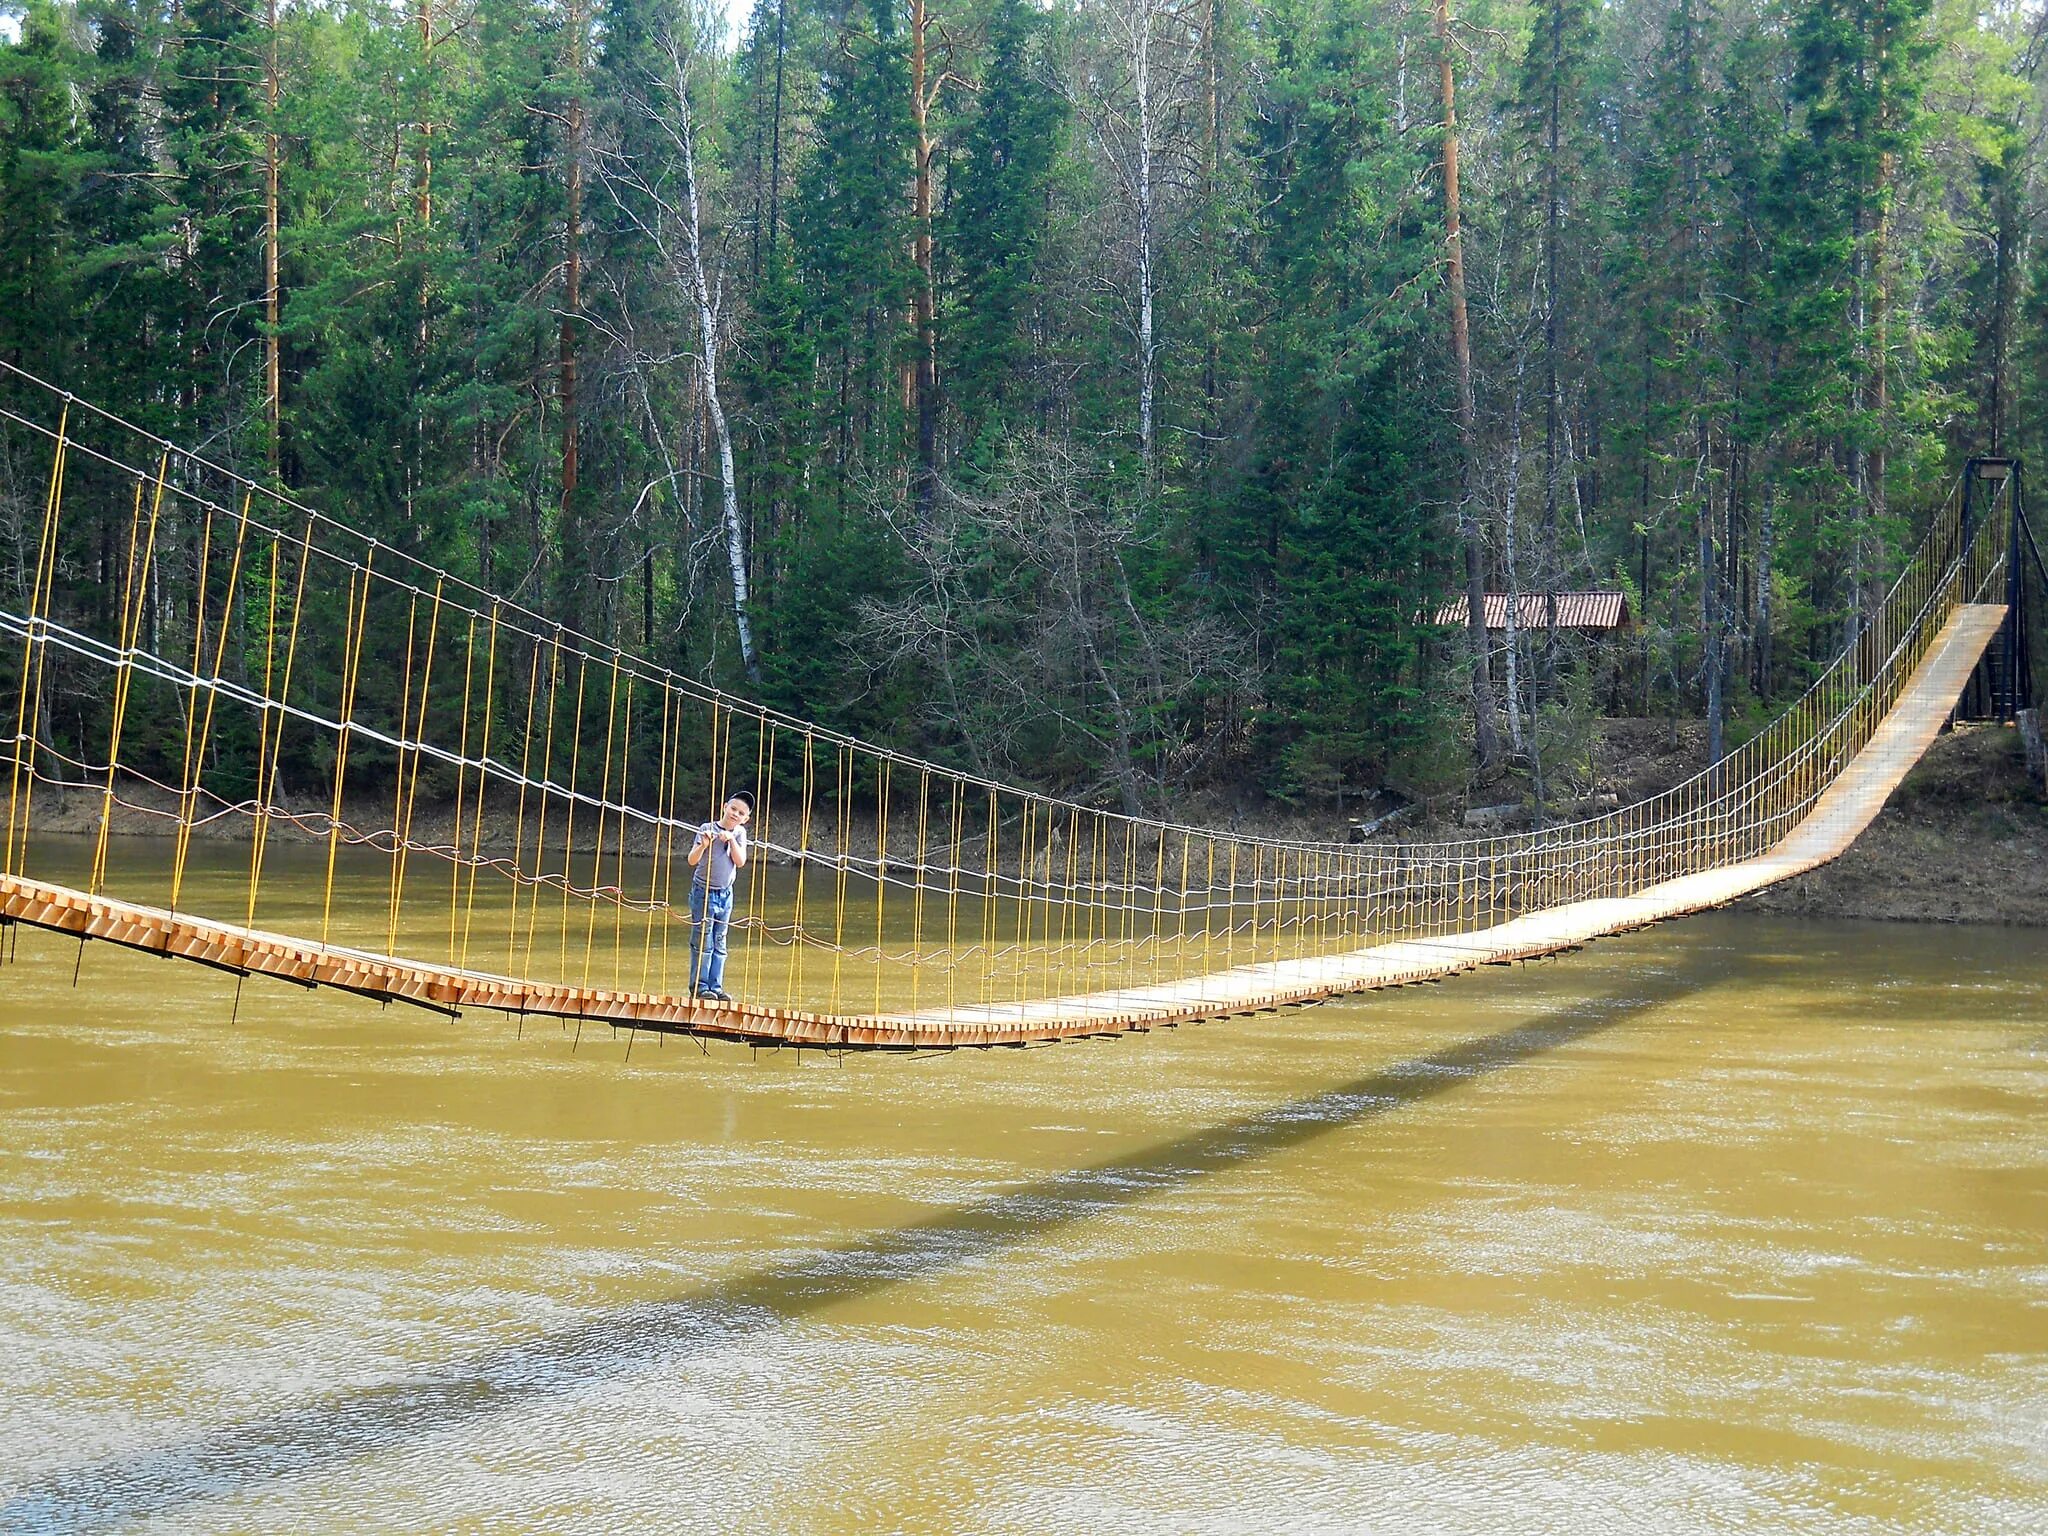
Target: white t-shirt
{"points": [[716, 868]]}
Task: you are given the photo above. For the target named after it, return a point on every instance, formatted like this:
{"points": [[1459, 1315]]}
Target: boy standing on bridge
{"points": [[725, 843]]}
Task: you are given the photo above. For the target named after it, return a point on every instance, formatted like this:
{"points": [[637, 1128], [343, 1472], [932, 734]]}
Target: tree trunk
{"points": [[572, 257], [273, 366], [1510, 510], [1766, 542], [423, 217], [423, 179], [1401, 78], [1710, 592], [1872, 600], [925, 380], [1553, 387], [1485, 725], [707, 374], [775, 130], [1141, 81]]}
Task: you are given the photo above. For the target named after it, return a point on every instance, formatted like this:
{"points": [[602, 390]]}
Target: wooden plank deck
{"points": [[1848, 806]]}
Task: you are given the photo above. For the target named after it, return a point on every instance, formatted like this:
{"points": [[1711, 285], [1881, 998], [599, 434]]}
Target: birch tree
{"points": [[1485, 717], [928, 78], [674, 198], [1134, 97]]}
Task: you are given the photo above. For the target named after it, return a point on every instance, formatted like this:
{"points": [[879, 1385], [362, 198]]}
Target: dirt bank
{"points": [[1963, 840]]}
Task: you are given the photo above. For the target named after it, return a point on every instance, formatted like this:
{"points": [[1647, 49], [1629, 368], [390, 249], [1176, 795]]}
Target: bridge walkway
{"points": [[1842, 811]]}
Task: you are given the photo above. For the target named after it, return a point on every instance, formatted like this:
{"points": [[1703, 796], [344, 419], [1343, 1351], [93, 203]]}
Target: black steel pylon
{"points": [[2004, 682]]}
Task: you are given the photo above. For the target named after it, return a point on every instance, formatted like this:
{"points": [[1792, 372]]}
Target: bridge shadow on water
{"points": [[323, 1432]]}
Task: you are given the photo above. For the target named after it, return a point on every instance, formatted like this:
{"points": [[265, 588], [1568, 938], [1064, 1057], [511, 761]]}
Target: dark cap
{"points": [[745, 797]]}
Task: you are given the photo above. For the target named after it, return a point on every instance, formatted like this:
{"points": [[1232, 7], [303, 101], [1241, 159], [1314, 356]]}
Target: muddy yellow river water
{"points": [[1736, 1225]]}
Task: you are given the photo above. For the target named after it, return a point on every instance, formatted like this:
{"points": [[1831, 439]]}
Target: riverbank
{"points": [[1963, 840]]}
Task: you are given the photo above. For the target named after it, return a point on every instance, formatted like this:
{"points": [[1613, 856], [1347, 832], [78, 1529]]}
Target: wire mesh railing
{"points": [[337, 738]]}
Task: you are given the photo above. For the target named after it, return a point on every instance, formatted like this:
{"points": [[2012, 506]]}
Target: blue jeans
{"points": [[710, 917]]}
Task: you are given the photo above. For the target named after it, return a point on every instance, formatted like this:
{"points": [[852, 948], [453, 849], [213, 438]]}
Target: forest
{"points": [[1106, 396]]}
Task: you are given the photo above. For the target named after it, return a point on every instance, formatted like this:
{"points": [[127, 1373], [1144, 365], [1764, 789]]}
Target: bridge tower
{"points": [[2003, 688]]}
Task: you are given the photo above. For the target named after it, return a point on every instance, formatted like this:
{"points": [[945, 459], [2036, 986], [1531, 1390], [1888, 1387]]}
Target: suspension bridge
{"points": [[496, 811]]}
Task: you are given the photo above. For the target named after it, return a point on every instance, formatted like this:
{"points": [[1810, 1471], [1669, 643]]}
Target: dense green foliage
{"points": [[1085, 366]]}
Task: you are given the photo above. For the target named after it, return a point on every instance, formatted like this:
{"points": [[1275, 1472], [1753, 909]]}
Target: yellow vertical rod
{"points": [[619, 857], [355, 629], [27, 723], [196, 766], [953, 864], [519, 811], [569, 810], [604, 801], [882, 782], [1230, 913], [134, 600], [803, 862], [656, 837], [461, 777], [192, 708], [753, 927], [540, 834], [677, 835], [412, 782], [1158, 905], [619, 853], [483, 776], [988, 896], [404, 735], [268, 786], [1025, 848], [917, 887], [843, 850]]}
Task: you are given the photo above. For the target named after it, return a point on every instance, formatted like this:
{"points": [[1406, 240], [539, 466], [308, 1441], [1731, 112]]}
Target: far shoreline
{"points": [[1963, 840]]}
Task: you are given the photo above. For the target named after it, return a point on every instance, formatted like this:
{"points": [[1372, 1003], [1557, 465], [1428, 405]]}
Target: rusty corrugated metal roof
{"points": [[1575, 610]]}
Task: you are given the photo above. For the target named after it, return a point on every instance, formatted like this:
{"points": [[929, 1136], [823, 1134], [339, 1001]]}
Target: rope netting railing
{"points": [[338, 740]]}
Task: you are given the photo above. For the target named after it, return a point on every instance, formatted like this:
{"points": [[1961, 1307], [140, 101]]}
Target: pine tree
{"points": [[1859, 68], [850, 231], [1686, 446], [1333, 551], [1552, 108], [213, 129], [123, 294], [997, 227], [41, 163]]}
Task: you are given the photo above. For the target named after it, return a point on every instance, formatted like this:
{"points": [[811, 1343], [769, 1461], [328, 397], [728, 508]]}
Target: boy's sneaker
{"points": [[718, 995]]}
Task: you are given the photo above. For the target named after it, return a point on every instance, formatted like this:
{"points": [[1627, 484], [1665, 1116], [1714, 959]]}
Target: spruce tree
{"points": [[1331, 536], [41, 164], [997, 226], [850, 230], [1858, 70], [213, 131]]}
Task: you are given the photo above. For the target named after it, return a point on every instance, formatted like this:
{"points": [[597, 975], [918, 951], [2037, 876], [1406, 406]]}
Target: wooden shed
{"points": [[1581, 612]]}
